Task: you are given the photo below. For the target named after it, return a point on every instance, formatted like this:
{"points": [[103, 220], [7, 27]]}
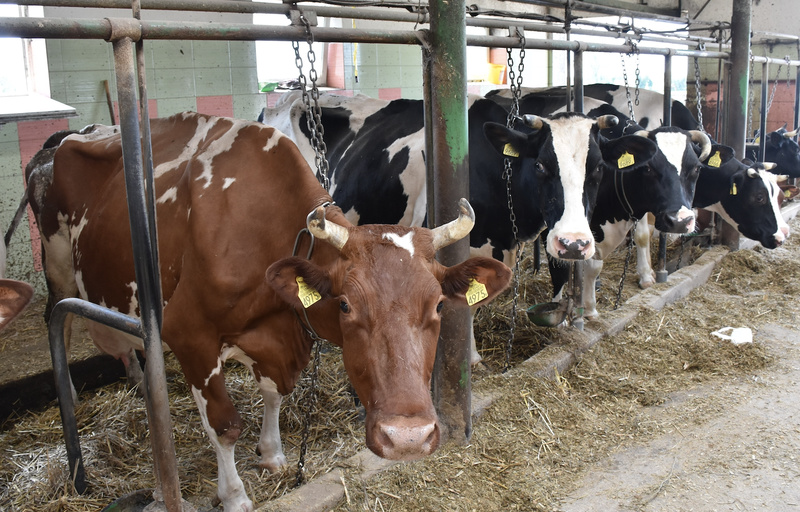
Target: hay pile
{"points": [[527, 449]]}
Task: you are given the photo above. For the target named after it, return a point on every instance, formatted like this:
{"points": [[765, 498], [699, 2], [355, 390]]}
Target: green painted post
{"points": [[452, 376], [736, 122]]}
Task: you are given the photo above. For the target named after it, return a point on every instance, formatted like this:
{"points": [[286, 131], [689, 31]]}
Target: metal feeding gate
{"points": [[448, 173]]}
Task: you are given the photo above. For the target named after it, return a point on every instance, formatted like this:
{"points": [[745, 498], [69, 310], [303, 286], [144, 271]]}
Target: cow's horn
{"points": [[705, 143], [790, 135], [533, 122], [768, 166], [457, 229], [642, 133], [607, 121], [335, 234]]}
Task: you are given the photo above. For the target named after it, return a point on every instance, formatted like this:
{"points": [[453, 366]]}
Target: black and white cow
{"points": [[780, 147], [624, 198], [375, 151], [745, 195], [649, 113]]}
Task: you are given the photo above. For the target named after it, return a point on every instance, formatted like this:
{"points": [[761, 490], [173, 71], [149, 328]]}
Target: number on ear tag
{"points": [[306, 294], [476, 292], [715, 161], [626, 160], [734, 190], [508, 150]]}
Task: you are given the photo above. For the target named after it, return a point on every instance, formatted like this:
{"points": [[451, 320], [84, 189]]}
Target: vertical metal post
{"points": [[452, 389], [736, 120], [147, 278], [796, 99], [720, 68], [661, 271], [579, 80]]}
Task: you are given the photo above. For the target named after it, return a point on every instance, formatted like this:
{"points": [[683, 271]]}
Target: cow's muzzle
{"points": [[571, 247], [403, 437], [681, 222]]}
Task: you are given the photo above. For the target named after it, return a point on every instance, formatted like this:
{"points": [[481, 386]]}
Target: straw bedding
{"points": [[527, 449]]}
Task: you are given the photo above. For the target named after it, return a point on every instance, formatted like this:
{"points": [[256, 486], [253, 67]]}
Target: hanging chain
{"points": [[515, 81], [310, 407], [636, 73], [631, 243], [632, 116], [697, 88], [313, 114], [751, 98], [774, 88]]}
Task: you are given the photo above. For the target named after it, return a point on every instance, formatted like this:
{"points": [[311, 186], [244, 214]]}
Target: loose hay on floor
{"points": [[527, 449]]}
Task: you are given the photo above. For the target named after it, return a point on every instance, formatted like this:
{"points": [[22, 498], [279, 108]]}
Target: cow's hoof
{"points": [[237, 504], [274, 464], [646, 284]]}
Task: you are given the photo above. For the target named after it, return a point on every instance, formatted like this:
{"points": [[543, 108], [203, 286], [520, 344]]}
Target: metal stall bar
{"points": [[420, 17], [148, 280], [452, 376], [661, 273], [762, 125], [58, 355]]}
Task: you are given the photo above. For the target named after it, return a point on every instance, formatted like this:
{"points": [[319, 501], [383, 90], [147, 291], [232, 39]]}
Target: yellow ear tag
{"points": [[508, 150], [734, 190], [305, 293], [476, 292], [626, 160], [715, 161], [787, 194]]}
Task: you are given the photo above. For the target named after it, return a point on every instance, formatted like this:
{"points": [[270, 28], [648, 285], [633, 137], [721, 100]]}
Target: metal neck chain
{"points": [[697, 89], [317, 340], [634, 50], [631, 243], [777, 79], [313, 114], [515, 81]]}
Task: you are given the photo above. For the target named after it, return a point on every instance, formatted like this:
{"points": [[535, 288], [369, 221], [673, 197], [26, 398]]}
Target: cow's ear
{"points": [[14, 296], [298, 281], [719, 155], [476, 281], [505, 141], [628, 152], [775, 138]]}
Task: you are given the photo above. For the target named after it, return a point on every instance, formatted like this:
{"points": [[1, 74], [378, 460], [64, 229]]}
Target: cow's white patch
{"points": [[771, 182], [170, 195], [404, 242], [227, 183], [571, 146], [613, 235], [673, 145], [487, 251], [213, 149], [203, 126], [229, 352], [273, 141], [413, 181]]}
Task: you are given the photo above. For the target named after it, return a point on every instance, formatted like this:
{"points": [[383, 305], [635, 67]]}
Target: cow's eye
{"points": [[345, 307], [439, 306], [761, 199], [540, 170]]}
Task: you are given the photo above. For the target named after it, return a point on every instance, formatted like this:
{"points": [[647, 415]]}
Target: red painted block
{"points": [[215, 105]]}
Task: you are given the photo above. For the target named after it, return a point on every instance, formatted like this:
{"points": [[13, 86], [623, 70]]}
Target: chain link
{"points": [[515, 82], [697, 88], [313, 114], [627, 88], [631, 243], [310, 410], [751, 98], [774, 88]]}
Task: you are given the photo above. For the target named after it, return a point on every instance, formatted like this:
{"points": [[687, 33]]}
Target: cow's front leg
{"points": [[223, 425], [641, 237], [269, 444], [591, 270]]}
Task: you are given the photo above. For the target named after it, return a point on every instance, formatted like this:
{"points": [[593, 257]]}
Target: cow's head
{"points": [[782, 149], [381, 300], [567, 154], [674, 172], [751, 199]]}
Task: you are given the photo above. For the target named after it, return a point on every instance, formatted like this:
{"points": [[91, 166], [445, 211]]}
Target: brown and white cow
{"points": [[232, 196]]}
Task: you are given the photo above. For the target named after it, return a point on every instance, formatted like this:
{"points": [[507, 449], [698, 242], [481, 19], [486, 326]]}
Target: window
{"points": [[25, 83], [275, 60]]}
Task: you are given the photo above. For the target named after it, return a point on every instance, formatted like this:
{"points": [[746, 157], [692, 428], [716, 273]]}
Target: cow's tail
{"points": [[23, 204]]}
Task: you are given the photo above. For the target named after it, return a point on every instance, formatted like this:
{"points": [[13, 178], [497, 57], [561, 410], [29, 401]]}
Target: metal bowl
{"points": [[547, 314]]}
